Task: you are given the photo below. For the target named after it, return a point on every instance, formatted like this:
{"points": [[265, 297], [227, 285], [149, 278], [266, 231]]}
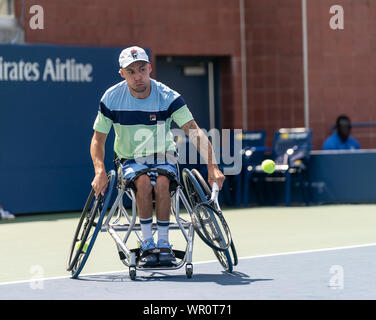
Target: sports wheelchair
{"points": [[194, 193]]}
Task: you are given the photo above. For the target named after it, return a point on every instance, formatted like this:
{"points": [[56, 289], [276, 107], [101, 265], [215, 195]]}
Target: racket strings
{"points": [[211, 225]]}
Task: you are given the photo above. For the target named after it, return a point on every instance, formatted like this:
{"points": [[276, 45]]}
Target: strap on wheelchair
{"points": [[151, 172], [171, 156]]}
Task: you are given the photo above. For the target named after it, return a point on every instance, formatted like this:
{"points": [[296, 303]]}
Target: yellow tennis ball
{"points": [[268, 166], [84, 249]]}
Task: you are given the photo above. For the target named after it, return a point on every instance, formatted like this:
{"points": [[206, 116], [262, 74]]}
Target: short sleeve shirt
{"points": [[142, 126], [334, 142]]}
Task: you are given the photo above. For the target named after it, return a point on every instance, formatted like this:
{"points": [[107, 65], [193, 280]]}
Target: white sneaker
{"points": [[6, 215]]}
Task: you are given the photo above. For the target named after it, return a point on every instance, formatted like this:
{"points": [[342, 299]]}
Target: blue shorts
{"points": [[131, 167]]}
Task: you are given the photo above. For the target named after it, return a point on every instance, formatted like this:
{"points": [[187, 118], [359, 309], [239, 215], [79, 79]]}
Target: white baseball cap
{"points": [[132, 54]]}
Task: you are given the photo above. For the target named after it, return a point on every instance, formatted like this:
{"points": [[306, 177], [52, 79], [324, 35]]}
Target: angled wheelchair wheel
{"points": [[202, 183], [88, 228], [211, 226], [222, 257], [193, 190], [196, 195]]}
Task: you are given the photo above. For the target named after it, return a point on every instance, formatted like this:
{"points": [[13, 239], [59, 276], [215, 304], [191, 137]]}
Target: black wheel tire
{"points": [[88, 227], [202, 183], [132, 273], [234, 254], [88, 216]]}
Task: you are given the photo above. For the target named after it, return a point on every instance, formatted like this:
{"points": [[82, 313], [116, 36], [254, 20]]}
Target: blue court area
{"points": [[336, 273]]}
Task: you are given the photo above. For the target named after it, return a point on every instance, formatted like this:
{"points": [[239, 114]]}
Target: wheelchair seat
{"points": [[153, 173]]}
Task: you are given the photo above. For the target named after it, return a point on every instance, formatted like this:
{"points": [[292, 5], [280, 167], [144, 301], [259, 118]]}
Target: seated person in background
{"points": [[341, 140]]}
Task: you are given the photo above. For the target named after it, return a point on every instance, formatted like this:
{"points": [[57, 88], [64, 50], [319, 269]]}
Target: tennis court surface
{"points": [[320, 252]]}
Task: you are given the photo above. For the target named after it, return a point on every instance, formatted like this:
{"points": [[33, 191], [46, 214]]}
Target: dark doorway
{"points": [[197, 80]]}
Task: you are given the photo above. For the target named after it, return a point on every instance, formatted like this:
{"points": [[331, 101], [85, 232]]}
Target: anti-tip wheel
{"points": [[189, 270], [132, 273]]}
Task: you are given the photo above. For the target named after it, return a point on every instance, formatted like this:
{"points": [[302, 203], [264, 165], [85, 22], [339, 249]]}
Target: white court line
{"points": [[309, 251], [202, 262], [296, 252]]}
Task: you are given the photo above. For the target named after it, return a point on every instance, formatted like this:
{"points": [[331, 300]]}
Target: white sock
{"points": [[147, 228], [162, 227]]}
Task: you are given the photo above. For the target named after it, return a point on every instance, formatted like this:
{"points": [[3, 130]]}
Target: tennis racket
{"points": [[210, 224]]}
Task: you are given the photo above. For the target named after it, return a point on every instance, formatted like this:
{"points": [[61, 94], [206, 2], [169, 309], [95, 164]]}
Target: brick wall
{"points": [[342, 73], [167, 27], [275, 65], [342, 68]]}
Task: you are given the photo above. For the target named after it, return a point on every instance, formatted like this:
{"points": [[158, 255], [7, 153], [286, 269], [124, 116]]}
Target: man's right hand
{"points": [[100, 183]]}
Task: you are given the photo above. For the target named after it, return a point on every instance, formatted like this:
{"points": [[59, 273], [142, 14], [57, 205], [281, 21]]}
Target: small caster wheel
{"points": [[189, 270], [132, 273]]}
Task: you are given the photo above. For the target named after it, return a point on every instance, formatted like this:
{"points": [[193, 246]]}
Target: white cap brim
{"points": [[128, 64]]}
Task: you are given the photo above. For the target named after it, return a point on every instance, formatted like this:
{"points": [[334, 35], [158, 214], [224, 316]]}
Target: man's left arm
{"points": [[204, 147]]}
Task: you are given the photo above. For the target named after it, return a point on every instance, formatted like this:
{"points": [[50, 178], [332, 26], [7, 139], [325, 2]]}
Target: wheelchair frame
{"points": [[93, 216], [128, 256]]}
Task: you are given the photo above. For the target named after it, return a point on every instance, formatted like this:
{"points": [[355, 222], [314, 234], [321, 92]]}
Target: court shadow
{"points": [[224, 278]]}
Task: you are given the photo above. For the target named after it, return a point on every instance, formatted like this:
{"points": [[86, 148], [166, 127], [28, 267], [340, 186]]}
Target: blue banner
{"points": [[49, 98]]}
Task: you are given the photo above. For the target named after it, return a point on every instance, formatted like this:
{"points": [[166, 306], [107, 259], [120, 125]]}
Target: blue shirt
{"points": [[334, 142]]}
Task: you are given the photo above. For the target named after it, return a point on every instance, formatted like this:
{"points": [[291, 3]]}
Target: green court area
{"points": [[38, 245]]}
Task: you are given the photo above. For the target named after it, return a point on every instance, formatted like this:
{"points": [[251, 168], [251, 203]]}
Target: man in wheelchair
{"points": [[140, 108]]}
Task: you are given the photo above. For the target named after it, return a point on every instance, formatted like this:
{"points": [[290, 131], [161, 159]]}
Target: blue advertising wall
{"points": [[342, 176], [49, 97], [335, 177]]}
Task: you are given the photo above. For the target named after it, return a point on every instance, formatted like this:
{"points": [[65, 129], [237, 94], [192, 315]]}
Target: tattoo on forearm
{"points": [[201, 142], [189, 126]]}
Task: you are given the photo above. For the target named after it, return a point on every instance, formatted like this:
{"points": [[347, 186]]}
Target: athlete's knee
{"points": [[162, 186], [143, 184]]}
